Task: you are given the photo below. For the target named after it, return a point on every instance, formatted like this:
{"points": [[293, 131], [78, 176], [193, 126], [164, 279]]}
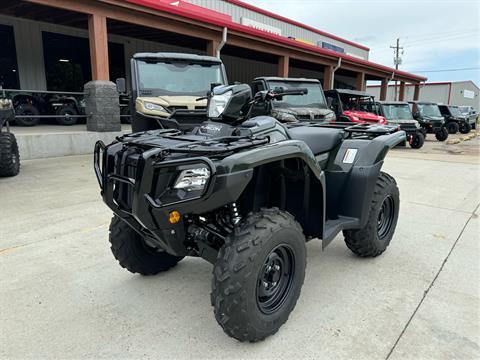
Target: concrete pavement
{"points": [[62, 295]]}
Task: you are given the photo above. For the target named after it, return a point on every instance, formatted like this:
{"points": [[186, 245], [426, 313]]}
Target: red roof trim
{"points": [[296, 23], [195, 15]]}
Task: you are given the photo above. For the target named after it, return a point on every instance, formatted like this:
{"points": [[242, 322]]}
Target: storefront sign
{"points": [[332, 47], [468, 94], [260, 26]]}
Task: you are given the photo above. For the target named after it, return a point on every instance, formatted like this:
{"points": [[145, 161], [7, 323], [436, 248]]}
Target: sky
{"points": [[436, 35]]}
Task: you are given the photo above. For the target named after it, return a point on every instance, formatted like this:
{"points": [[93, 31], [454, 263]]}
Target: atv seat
{"points": [[318, 139]]}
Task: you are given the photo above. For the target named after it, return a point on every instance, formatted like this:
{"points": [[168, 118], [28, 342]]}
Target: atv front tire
{"points": [[465, 128], [27, 110], [258, 275], [9, 156], [133, 254], [452, 127], [442, 135], [375, 236], [65, 111], [417, 140]]}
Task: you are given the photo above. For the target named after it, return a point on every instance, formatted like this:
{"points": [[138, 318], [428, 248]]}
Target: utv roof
{"points": [[385, 102], [423, 102], [176, 56], [276, 78], [349, 92]]}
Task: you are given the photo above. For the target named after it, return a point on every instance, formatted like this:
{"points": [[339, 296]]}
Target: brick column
{"points": [[416, 93], [401, 96], [97, 34], [360, 82], [283, 64], [383, 89], [328, 78]]}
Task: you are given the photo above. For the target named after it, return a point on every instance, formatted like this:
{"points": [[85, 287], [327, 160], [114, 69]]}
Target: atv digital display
{"points": [[313, 98], [177, 78]]}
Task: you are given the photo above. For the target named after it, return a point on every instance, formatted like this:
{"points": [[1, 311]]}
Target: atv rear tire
{"points": [[442, 135], [27, 109], [452, 127], [133, 254], [258, 275], [374, 238], [417, 140], [9, 156], [465, 128], [66, 110]]}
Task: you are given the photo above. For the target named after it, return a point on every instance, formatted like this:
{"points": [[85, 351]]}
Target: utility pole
{"points": [[397, 60]]}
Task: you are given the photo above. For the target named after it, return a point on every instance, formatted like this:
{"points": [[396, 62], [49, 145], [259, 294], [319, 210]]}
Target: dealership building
{"points": [[60, 45], [460, 93]]}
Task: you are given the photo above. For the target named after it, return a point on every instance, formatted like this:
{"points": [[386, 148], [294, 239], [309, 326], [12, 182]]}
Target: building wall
{"points": [[438, 93], [237, 12], [28, 42]]}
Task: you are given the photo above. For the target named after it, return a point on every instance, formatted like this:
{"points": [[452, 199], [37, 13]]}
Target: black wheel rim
{"points": [[385, 217], [275, 279]]}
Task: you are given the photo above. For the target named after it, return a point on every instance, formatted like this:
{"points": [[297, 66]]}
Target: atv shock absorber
{"points": [[235, 214]]}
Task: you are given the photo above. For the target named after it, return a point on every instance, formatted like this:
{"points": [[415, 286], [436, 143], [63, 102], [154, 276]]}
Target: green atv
{"points": [[246, 193], [9, 155], [430, 119]]}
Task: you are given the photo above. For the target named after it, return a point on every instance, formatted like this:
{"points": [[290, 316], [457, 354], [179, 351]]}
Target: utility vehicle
{"points": [[169, 89], [9, 156], [292, 108], [471, 113], [455, 120], [246, 193], [430, 119], [349, 106], [398, 113]]}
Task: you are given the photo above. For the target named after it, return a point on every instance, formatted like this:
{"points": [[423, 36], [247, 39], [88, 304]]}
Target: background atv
{"points": [[455, 120], [246, 194], [430, 119], [9, 156], [169, 89], [353, 106], [312, 106], [398, 113]]}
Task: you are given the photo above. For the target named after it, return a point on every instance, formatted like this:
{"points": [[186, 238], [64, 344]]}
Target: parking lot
{"points": [[63, 295]]}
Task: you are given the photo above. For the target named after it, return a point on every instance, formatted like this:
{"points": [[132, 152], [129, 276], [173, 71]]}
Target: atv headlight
{"points": [[330, 116], [217, 104], [154, 107], [193, 179]]}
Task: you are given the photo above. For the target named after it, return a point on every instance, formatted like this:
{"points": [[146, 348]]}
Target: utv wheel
{"points": [[133, 254], [452, 127], [27, 110], [65, 111], [258, 275], [417, 140], [442, 135], [424, 132], [465, 128], [9, 156], [374, 238]]}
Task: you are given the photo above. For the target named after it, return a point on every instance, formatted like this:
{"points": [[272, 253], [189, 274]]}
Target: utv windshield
{"points": [[314, 98], [455, 111], [429, 110], [397, 112], [177, 78]]}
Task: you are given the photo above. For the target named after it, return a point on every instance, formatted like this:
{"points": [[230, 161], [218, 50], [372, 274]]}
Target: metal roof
{"points": [[276, 78], [176, 56], [349, 92]]}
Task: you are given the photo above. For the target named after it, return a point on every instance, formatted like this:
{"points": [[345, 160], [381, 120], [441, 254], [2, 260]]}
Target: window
{"points": [[67, 61], [8, 59]]}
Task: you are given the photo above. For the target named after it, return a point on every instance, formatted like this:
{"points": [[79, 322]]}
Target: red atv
{"points": [[349, 106]]}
